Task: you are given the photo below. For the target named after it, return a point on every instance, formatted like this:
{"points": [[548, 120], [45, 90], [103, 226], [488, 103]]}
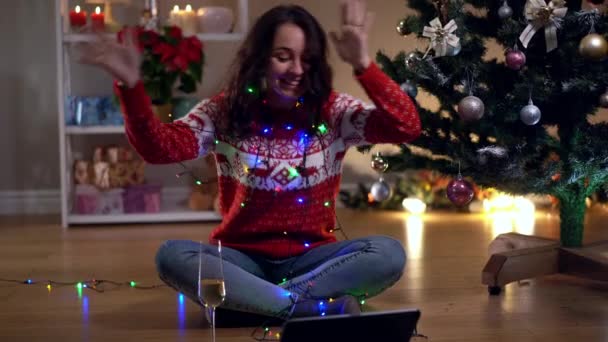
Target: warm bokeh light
{"points": [[414, 247], [504, 202], [414, 205], [414, 227], [510, 214]]}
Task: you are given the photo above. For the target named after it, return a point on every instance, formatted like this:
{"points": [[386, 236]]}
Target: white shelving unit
{"points": [[80, 130], [170, 212], [216, 37], [169, 216]]}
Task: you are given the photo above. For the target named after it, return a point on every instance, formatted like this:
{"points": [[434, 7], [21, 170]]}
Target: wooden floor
{"points": [[446, 254]]}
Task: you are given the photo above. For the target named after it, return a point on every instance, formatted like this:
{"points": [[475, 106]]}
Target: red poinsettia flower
{"points": [[189, 50], [166, 51], [167, 58], [195, 46], [179, 62], [175, 32], [149, 38]]}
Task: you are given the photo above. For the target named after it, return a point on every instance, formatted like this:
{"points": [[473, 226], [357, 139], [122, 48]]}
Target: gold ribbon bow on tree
{"points": [[539, 15], [441, 36]]}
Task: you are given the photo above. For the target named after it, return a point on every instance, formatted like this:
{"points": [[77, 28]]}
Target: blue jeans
{"points": [[360, 267]]}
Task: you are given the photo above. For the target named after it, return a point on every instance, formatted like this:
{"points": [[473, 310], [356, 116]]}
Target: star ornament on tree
{"points": [[539, 15], [441, 36]]}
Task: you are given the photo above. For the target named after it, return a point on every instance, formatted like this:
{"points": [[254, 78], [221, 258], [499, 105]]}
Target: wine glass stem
{"points": [[213, 323]]}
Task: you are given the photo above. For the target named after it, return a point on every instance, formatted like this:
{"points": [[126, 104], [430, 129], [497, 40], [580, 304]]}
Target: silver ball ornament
{"points": [[409, 88], [604, 100], [530, 114], [505, 11], [381, 191], [454, 50], [379, 164], [411, 59], [471, 108]]}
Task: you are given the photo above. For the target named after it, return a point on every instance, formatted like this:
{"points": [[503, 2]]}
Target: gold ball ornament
{"points": [[544, 15], [593, 47], [402, 29]]}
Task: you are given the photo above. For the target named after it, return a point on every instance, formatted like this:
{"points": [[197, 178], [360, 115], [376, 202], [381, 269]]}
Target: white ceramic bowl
{"points": [[215, 19]]}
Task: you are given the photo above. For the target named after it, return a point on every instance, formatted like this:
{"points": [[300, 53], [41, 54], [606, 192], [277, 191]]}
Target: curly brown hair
{"points": [[252, 60]]}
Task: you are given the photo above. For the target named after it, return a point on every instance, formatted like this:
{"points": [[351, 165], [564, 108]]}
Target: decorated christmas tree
{"points": [[520, 123]]}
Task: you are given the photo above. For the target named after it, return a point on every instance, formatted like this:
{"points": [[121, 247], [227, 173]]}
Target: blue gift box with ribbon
{"points": [[92, 111]]}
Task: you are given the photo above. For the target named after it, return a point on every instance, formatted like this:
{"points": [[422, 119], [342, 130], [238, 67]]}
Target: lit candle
{"points": [[189, 21], [174, 16], [78, 18], [98, 20]]}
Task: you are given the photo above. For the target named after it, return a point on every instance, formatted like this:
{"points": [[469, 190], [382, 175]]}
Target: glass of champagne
{"points": [[211, 287]]}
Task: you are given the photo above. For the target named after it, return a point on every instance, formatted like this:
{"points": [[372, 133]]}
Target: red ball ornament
{"points": [[515, 59], [460, 192]]}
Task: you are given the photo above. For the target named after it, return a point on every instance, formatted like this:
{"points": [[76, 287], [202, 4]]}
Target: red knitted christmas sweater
{"points": [[272, 203]]}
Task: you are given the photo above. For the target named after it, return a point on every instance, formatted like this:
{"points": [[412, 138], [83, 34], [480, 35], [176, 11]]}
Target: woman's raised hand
{"points": [[122, 60], [351, 43]]}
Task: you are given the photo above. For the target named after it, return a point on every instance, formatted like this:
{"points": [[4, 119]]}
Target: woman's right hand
{"points": [[121, 59]]}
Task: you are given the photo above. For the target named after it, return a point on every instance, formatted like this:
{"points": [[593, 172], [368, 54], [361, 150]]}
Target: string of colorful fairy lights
{"points": [[266, 131], [97, 285], [267, 332]]}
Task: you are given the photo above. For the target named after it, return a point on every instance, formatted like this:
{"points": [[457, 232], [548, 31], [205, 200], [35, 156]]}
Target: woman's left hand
{"points": [[351, 44]]}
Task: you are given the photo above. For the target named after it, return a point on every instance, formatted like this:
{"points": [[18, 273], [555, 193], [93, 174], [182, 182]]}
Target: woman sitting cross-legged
{"points": [[279, 133]]}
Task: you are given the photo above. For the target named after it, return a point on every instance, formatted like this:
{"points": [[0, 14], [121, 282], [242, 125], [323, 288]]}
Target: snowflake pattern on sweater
{"points": [[272, 204]]}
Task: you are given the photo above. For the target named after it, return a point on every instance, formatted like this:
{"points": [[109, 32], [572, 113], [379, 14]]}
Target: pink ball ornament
{"points": [[515, 59], [460, 192]]}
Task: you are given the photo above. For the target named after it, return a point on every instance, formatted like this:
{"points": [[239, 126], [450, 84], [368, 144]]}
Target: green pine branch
{"points": [[499, 150]]}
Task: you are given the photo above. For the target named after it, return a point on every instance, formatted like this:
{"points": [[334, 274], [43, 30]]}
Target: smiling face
{"points": [[282, 58], [288, 64]]}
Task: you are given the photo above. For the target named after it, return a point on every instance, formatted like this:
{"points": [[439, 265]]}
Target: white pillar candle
{"points": [[189, 21], [175, 16]]}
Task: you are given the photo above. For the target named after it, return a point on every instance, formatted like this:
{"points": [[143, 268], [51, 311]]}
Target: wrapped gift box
{"points": [[123, 174], [86, 198], [144, 198], [111, 202], [109, 112], [92, 111], [91, 201]]}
